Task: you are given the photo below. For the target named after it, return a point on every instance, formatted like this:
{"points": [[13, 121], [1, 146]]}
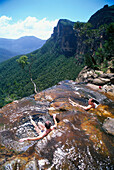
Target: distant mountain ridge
{"points": [[6, 54], [23, 45]]}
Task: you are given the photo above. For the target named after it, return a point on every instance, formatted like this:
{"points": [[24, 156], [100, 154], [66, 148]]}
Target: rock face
{"points": [[108, 125], [96, 77], [99, 18], [78, 142], [64, 35], [68, 39]]}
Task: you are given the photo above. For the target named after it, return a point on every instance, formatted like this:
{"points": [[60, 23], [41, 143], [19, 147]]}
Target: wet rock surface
{"points": [[79, 142], [108, 125]]}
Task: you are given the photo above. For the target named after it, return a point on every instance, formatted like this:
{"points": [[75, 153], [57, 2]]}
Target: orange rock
{"points": [[103, 111], [95, 135]]}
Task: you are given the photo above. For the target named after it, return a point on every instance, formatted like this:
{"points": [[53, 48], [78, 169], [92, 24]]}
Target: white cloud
{"points": [[31, 26], [4, 20]]}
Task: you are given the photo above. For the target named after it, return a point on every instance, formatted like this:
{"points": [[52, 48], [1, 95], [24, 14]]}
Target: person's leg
{"points": [[36, 127], [41, 126]]}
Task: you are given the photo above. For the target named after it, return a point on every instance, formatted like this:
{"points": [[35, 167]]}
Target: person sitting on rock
{"points": [[92, 103], [41, 129]]}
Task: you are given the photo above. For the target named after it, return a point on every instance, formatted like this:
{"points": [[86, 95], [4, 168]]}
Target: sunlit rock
{"points": [[103, 111], [79, 140], [100, 81], [92, 129], [108, 125]]}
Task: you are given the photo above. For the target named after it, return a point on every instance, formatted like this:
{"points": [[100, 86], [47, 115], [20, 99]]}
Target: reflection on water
{"points": [[79, 142]]}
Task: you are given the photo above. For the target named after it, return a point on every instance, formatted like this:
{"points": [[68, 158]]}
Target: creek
{"points": [[79, 142]]}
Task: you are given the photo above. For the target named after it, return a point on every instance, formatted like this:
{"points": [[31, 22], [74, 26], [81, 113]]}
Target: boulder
{"points": [[108, 75], [85, 74], [101, 81], [108, 125], [96, 77], [99, 72], [104, 76], [112, 80]]}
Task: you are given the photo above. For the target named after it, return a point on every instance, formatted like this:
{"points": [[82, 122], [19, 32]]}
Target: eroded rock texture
{"points": [[79, 142]]}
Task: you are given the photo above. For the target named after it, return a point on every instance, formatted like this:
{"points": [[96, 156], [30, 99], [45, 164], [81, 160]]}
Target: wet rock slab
{"points": [[79, 142], [108, 125]]}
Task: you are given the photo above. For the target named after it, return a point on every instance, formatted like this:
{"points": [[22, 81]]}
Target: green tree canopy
{"points": [[23, 61]]}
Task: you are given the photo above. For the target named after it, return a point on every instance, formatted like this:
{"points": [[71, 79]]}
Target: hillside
{"points": [[61, 57], [48, 68], [102, 16], [6, 54], [23, 45]]}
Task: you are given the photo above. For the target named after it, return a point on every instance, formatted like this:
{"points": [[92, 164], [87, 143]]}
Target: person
{"points": [[92, 103], [42, 130]]}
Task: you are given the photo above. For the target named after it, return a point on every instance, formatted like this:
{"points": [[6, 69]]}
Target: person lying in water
{"points": [[92, 103], [41, 129]]}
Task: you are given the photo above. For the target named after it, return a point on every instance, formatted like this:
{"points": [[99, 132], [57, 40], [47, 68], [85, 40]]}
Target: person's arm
{"points": [[55, 121], [34, 138], [86, 107], [34, 124], [83, 107]]}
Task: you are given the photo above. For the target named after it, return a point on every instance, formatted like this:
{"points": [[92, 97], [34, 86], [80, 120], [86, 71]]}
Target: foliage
{"points": [[23, 61], [106, 53], [97, 43], [109, 44], [48, 68], [87, 60], [100, 55]]}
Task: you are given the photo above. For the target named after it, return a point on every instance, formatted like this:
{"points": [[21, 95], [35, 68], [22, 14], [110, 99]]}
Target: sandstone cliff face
{"points": [[67, 39], [65, 36], [71, 43]]}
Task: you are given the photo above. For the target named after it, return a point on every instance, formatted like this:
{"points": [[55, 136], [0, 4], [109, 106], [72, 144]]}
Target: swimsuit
{"points": [[96, 105]]}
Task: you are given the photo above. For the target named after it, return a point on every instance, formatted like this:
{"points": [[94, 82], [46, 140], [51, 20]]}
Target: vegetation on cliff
{"points": [[97, 44]]}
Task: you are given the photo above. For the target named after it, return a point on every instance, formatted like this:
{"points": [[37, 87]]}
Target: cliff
{"points": [[71, 42], [65, 37], [102, 16]]}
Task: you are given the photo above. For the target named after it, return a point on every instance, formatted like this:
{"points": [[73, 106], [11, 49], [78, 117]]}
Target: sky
{"points": [[38, 17]]}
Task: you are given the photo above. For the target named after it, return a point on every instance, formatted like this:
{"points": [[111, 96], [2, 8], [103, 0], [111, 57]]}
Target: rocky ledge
{"points": [[79, 142], [97, 79]]}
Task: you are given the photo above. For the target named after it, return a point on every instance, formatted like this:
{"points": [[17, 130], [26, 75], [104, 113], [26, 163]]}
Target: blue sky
{"points": [[38, 17]]}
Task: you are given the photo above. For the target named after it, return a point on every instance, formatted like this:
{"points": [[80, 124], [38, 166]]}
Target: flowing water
{"points": [[79, 142]]}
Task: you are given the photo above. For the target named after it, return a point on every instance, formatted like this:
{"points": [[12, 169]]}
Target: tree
{"points": [[23, 62], [109, 45], [100, 54], [88, 60], [106, 51]]}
